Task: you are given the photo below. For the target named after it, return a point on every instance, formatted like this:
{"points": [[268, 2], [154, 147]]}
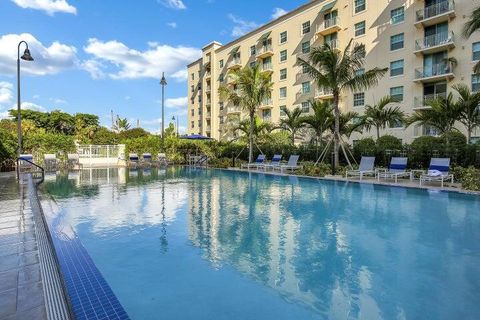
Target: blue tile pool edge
{"points": [[88, 293]]}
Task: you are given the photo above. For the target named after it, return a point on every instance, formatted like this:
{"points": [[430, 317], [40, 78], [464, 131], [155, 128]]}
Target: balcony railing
{"points": [[435, 10], [426, 130], [323, 93], [235, 63], [303, 76], [437, 70], [234, 109], [331, 22], [334, 44], [267, 67], [208, 89], [435, 40], [329, 26], [267, 103], [422, 101], [265, 51], [301, 93]]}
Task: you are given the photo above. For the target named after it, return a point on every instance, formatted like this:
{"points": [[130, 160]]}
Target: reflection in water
{"points": [[342, 251]]}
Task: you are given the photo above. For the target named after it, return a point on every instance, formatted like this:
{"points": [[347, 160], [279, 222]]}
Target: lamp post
{"points": [[163, 83], [27, 57]]}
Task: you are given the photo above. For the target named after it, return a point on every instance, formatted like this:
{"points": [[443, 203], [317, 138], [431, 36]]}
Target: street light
{"points": [[175, 124], [163, 83], [27, 57]]}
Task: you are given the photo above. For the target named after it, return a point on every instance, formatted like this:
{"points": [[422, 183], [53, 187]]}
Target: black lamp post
{"points": [[163, 83]]}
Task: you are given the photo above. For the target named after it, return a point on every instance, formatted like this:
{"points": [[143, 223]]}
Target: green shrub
{"points": [[8, 146], [364, 147], [220, 163], [40, 143], [149, 144], [422, 149], [133, 133], [468, 177]]}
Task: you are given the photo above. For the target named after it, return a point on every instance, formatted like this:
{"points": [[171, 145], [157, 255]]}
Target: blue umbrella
{"points": [[196, 137]]}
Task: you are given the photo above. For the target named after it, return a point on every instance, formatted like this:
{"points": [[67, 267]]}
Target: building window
{"points": [[199, 99], [283, 92], [396, 124], [305, 69], [283, 37], [305, 87], [306, 27], [221, 78], [360, 29], [253, 64], [193, 76], [306, 107], [306, 47], [396, 42], [267, 115], [253, 50], [193, 124], [360, 71], [476, 51], [359, 99], [199, 123], [193, 112], [475, 82], [282, 111], [220, 106], [221, 119], [221, 63], [396, 68], [283, 74], [359, 5], [283, 55], [396, 93], [397, 15], [193, 88]]}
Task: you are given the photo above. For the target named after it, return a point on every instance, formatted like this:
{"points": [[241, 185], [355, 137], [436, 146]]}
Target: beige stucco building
{"points": [[415, 39]]}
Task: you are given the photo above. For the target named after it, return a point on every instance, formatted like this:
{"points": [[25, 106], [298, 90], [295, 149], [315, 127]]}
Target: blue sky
{"points": [[94, 56]]}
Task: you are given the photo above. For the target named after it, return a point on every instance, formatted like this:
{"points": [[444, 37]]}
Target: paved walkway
{"points": [[21, 290]]}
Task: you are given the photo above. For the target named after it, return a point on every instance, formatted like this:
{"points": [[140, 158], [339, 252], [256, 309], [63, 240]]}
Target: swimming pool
{"points": [[188, 243]]}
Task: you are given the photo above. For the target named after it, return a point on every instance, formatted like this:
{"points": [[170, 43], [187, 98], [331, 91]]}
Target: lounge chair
{"points": [[438, 171], [260, 160], [274, 163], [162, 159], [24, 163], [365, 168], [50, 161], [133, 160], [147, 159], [73, 160], [397, 168], [292, 164]]}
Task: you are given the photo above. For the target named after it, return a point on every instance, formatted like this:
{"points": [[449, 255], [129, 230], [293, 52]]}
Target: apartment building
{"points": [[419, 41]]}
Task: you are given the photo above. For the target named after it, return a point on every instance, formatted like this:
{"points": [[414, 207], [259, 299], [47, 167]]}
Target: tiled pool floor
{"points": [[21, 291]]}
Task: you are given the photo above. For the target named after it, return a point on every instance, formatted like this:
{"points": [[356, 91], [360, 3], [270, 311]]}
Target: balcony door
{"points": [[434, 90], [435, 64]]}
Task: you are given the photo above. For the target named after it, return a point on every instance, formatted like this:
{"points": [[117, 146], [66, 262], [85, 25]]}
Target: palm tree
{"points": [[261, 129], [470, 27], [321, 119], [469, 105], [336, 71], [442, 114], [381, 114], [347, 124], [121, 124], [251, 89], [292, 122]]}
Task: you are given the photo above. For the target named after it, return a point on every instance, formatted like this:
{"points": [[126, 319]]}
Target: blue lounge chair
{"points": [[274, 163], [397, 168], [260, 160], [365, 168], [438, 171], [147, 159], [133, 159]]}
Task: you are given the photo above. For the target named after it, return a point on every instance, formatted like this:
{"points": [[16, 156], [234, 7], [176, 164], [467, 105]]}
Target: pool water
{"points": [[188, 243]]}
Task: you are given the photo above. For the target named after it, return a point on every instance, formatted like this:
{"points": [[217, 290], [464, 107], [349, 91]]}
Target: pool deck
{"points": [[21, 285]]}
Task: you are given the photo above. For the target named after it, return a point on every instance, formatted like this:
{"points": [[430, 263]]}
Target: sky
{"points": [[95, 56]]}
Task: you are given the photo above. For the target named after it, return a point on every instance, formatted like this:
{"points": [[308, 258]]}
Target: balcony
{"points": [[235, 64], [421, 103], [267, 67], [303, 94], [208, 75], [303, 77], [323, 94], [265, 52], [426, 130], [208, 128], [435, 43], [208, 103], [234, 110], [208, 89], [329, 26], [208, 61], [208, 115], [441, 71], [334, 44], [436, 13], [267, 104]]}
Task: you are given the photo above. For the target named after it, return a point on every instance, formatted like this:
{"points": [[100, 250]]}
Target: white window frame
{"points": [[286, 37], [355, 7], [304, 27], [403, 15], [357, 94], [283, 90], [364, 28], [286, 74]]}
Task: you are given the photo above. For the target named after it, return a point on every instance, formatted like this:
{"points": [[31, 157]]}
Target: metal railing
{"points": [[323, 92], [435, 70], [234, 62], [434, 40], [98, 151], [421, 102], [265, 49], [435, 10], [267, 67], [331, 23], [23, 163]]}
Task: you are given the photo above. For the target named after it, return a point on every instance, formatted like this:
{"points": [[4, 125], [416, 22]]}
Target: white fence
{"points": [[101, 155]]}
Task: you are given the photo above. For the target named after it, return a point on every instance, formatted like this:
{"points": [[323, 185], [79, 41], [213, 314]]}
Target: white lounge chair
{"points": [[147, 159], [259, 161], [397, 169], [292, 164], [162, 159], [73, 160], [274, 163], [50, 161], [438, 171], [365, 168]]}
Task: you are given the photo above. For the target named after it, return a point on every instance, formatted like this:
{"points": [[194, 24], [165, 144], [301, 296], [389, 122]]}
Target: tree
{"points": [[261, 129], [292, 122], [469, 105], [321, 119], [381, 114], [347, 124], [336, 71], [470, 27], [251, 88], [121, 124]]}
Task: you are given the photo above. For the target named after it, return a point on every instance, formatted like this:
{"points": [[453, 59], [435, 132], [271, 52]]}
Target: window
{"points": [[283, 37], [359, 99], [193, 76], [476, 82], [282, 111], [360, 71], [253, 50], [306, 47], [193, 124], [356, 120], [283, 92], [267, 115], [221, 119], [359, 28], [396, 93], [359, 5], [396, 42], [220, 106], [396, 124], [283, 55], [221, 63], [397, 15], [305, 69], [306, 87], [193, 88], [476, 51], [253, 64], [221, 78], [193, 112], [199, 123], [283, 74], [306, 107], [199, 99], [396, 68], [306, 27]]}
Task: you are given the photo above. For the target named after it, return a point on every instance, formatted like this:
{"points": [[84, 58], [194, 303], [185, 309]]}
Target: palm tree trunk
{"points": [[293, 138], [378, 133], [469, 133], [336, 140], [250, 137]]}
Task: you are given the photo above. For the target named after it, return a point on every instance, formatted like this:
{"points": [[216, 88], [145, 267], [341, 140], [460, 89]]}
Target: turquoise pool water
{"points": [[210, 244]]}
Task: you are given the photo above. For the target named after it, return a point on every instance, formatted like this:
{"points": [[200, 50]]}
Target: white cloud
{"points": [[175, 4], [278, 12], [48, 60], [126, 63], [94, 67], [58, 101], [176, 103], [30, 106], [6, 94], [241, 26], [49, 6], [128, 97], [172, 25]]}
